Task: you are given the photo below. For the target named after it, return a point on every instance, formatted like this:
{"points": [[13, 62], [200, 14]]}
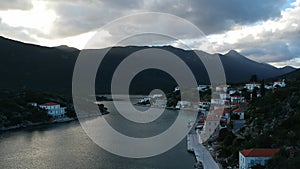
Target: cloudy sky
{"points": [[265, 31]]}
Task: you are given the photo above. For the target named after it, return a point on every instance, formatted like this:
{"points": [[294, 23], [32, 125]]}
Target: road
{"points": [[202, 154]]}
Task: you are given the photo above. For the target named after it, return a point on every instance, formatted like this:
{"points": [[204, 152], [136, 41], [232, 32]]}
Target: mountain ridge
{"points": [[51, 68]]}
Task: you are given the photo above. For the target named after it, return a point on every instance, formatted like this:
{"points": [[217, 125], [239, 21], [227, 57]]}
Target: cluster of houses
{"points": [[155, 100], [228, 106], [53, 109]]}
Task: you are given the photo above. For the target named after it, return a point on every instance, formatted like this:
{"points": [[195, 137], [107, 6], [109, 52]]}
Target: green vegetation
{"points": [[174, 97], [16, 110], [273, 122]]}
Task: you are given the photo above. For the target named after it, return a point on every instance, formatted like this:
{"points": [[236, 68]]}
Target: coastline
{"points": [[31, 124]]}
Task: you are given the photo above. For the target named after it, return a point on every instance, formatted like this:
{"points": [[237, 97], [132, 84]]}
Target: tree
{"points": [[253, 78], [254, 93], [235, 117], [262, 88], [258, 166]]}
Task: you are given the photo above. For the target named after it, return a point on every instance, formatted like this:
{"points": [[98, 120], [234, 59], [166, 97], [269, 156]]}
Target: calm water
{"points": [[67, 146]]}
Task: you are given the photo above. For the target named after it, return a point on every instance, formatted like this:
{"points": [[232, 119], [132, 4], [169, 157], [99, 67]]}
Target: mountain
{"points": [[238, 68], [291, 76], [31, 66]]}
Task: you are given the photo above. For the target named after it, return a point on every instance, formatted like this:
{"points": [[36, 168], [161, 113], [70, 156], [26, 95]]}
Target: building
{"points": [[54, 109], [203, 88], [279, 83], [269, 86], [224, 96], [183, 104], [222, 88], [239, 112], [237, 99], [254, 156], [145, 100], [219, 101], [250, 86], [204, 105], [177, 88]]}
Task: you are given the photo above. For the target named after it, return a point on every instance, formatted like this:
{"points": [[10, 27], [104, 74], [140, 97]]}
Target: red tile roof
{"points": [[202, 120], [238, 110], [49, 104], [212, 118], [260, 152], [226, 111], [217, 111], [205, 101]]}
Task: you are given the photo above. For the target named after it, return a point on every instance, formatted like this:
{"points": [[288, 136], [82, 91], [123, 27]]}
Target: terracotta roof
{"points": [[224, 85], [223, 119], [238, 110], [218, 111], [212, 118], [202, 120], [226, 111], [49, 104], [205, 101], [260, 152]]}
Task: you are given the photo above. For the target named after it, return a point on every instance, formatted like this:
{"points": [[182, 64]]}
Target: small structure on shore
{"points": [[54, 109]]}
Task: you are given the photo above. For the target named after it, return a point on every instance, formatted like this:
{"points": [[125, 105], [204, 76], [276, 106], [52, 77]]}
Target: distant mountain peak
{"points": [[66, 48], [233, 53]]}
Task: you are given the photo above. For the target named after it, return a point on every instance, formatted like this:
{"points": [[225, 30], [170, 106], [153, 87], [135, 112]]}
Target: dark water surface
{"points": [[67, 146]]}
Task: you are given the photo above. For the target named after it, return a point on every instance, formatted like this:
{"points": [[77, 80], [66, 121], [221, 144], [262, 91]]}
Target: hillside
{"points": [[273, 121], [50, 68]]}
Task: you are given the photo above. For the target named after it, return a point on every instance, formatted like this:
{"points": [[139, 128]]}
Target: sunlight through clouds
{"points": [[258, 29], [39, 17]]}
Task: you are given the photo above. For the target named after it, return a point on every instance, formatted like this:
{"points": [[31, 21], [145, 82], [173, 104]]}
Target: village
{"points": [[227, 106]]}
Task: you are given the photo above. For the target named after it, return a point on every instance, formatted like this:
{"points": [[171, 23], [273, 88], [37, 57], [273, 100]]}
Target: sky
{"points": [[265, 31]]}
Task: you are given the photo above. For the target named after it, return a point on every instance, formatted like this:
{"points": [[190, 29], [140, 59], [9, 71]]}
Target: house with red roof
{"points": [[54, 109], [254, 156], [239, 112]]}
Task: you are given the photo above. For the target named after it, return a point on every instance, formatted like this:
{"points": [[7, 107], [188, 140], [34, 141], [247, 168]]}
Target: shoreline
{"points": [[31, 124]]}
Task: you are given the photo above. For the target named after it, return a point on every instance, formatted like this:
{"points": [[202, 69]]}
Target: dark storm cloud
{"points": [[210, 16], [216, 16]]}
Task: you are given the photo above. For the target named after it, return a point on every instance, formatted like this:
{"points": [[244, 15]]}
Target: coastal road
{"points": [[202, 154]]}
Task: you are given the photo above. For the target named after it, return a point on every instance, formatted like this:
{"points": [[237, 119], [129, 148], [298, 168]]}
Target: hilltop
{"points": [[32, 66]]}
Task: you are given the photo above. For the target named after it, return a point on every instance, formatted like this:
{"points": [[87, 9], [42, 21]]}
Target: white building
{"points": [[252, 157], [54, 109], [144, 100], [224, 96], [269, 86], [203, 87], [219, 101], [250, 86], [279, 83], [183, 104], [222, 88], [237, 99]]}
